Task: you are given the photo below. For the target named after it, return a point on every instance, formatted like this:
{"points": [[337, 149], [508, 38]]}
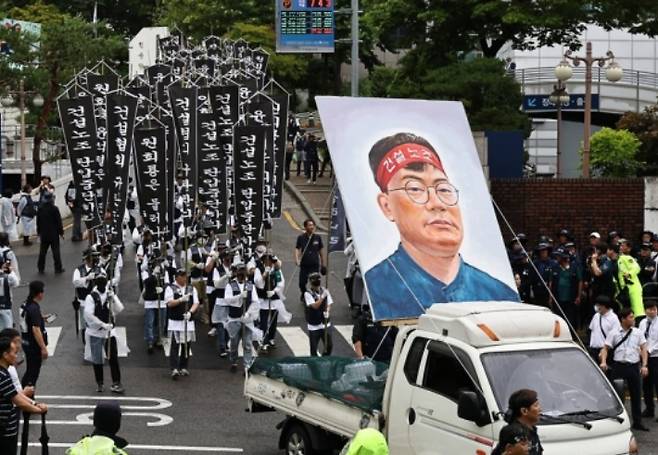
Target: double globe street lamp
{"points": [[8, 101], [564, 71]]}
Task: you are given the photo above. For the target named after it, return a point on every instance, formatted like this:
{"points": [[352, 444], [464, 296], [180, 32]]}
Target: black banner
{"points": [[212, 178], [205, 66], [280, 116], [151, 160], [143, 94], [336, 223], [249, 150], [121, 112], [260, 113], [224, 102], [77, 117], [184, 105]]}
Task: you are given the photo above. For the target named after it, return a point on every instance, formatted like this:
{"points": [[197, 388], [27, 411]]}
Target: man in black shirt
{"points": [[524, 414], [309, 255], [371, 339], [11, 400], [50, 229], [35, 339]]}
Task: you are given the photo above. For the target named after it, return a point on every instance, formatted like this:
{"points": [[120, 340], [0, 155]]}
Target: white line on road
{"points": [[53, 338], [161, 403], [296, 340], [87, 418], [136, 447], [345, 331]]}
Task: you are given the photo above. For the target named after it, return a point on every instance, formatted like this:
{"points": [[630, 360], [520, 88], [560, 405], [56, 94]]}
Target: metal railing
{"points": [[546, 74]]}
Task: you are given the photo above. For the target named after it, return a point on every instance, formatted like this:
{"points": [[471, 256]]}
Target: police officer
{"points": [[372, 340], [182, 302], [523, 274], [242, 301], [101, 337], [542, 279], [318, 307], [629, 347], [647, 265]]}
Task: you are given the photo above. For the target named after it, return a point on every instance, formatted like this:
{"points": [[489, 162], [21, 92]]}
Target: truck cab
{"points": [[451, 377]]}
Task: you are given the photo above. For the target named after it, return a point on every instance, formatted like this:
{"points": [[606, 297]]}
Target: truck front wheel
{"points": [[297, 441]]}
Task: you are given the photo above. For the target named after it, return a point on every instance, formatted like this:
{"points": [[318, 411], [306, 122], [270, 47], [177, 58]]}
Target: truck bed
{"points": [[328, 397]]}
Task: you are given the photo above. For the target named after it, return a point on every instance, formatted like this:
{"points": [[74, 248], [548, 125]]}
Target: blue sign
{"points": [[538, 103], [305, 26]]}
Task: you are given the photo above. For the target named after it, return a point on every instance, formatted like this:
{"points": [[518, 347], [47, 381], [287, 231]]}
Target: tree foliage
{"points": [[645, 126], [491, 97], [614, 153]]}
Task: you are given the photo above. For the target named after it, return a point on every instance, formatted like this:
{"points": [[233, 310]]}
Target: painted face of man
{"points": [[434, 227]]}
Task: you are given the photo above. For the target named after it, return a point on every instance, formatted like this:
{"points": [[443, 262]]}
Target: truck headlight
{"points": [[632, 446]]}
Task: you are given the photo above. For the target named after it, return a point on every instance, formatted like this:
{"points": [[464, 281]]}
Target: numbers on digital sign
{"points": [[319, 3]]}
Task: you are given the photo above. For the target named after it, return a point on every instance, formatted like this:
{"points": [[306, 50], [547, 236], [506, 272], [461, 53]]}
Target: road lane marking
{"points": [[133, 447], [291, 221], [53, 338], [87, 418], [296, 339], [160, 403]]}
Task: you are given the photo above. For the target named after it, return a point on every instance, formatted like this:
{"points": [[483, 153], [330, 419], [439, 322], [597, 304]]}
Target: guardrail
{"points": [[546, 74]]}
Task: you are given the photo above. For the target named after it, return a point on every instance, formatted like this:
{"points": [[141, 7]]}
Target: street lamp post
{"points": [[37, 101], [613, 73], [559, 97]]}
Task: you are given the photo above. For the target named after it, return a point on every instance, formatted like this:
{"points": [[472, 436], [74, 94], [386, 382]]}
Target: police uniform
{"points": [[242, 312], [627, 364], [649, 327], [101, 337], [319, 326], [181, 330]]}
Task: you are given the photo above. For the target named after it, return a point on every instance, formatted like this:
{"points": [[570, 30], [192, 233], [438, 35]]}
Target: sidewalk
{"points": [[314, 199]]}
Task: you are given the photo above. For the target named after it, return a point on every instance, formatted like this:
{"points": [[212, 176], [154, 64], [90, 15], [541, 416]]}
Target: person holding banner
{"points": [[270, 286], [27, 211], [242, 300], [318, 306], [309, 255], [416, 195], [182, 302]]}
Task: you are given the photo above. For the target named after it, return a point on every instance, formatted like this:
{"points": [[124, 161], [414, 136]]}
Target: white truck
{"points": [[449, 382]]}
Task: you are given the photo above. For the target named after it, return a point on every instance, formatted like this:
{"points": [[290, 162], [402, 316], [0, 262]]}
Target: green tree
{"points": [[613, 153], [66, 45], [491, 98], [645, 126]]}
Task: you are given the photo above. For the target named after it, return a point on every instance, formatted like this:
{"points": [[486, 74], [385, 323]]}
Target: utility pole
{"points": [[355, 48]]}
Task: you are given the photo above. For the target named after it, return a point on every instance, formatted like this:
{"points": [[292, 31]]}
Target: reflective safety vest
{"points": [[95, 445]]}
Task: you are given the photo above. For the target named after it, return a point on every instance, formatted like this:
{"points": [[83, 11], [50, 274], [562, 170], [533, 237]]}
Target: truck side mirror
{"points": [[618, 385], [470, 407]]}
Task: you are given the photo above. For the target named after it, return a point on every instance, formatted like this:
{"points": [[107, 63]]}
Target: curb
{"points": [[306, 207]]}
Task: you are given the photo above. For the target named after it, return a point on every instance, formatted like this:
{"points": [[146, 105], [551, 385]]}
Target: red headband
{"points": [[402, 156]]}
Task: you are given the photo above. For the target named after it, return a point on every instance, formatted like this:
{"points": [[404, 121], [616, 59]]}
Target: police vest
{"points": [[196, 257], [83, 292], [176, 313], [95, 445], [101, 310], [5, 300], [236, 312], [150, 289], [315, 316]]}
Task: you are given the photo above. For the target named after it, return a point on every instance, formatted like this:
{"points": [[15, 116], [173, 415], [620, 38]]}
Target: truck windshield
{"points": [[565, 380]]}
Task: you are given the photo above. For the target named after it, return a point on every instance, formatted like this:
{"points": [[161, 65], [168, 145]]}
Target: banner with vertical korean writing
{"points": [[337, 223], [150, 151], [78, 124], [121, 113], [259, 112], [224, 102], [212, 180], [280, 116], [249, 152], [184, 102]]}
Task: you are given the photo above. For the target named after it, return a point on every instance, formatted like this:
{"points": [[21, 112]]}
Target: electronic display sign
{"points": [[305, 26]]}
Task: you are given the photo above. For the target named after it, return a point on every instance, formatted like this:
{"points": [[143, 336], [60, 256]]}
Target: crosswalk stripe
{"points": [[296, 339], [346, 332], [53, 338]]}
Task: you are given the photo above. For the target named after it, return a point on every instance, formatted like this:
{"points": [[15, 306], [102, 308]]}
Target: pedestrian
{"points": [[602, 324], [318, 308], [104, 439], [182, 301], [649, 327], [155, 308], [74, 202], [242, 300], [311, 159], [15, 337], [50, 230], [221, 276], [371, 340], [524, 412], [83, 283], [7, 254], [300, 141], [11, 400], [8, 215], [101, 342], [630, 361], [270, 286], [27, 211], [326, 159], [45, 187], [630, 288], [8, 280], [309, 255], [35, 337]]}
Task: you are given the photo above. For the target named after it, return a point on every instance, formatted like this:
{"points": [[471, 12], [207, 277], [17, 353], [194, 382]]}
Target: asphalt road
{"points": [[200, 414]]}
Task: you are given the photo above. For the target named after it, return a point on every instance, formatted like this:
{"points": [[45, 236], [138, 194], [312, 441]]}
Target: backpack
{"points": [[95, 445], [30, 209]]}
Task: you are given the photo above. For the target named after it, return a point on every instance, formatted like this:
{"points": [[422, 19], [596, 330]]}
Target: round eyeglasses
{"points": [[420, 194]]}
